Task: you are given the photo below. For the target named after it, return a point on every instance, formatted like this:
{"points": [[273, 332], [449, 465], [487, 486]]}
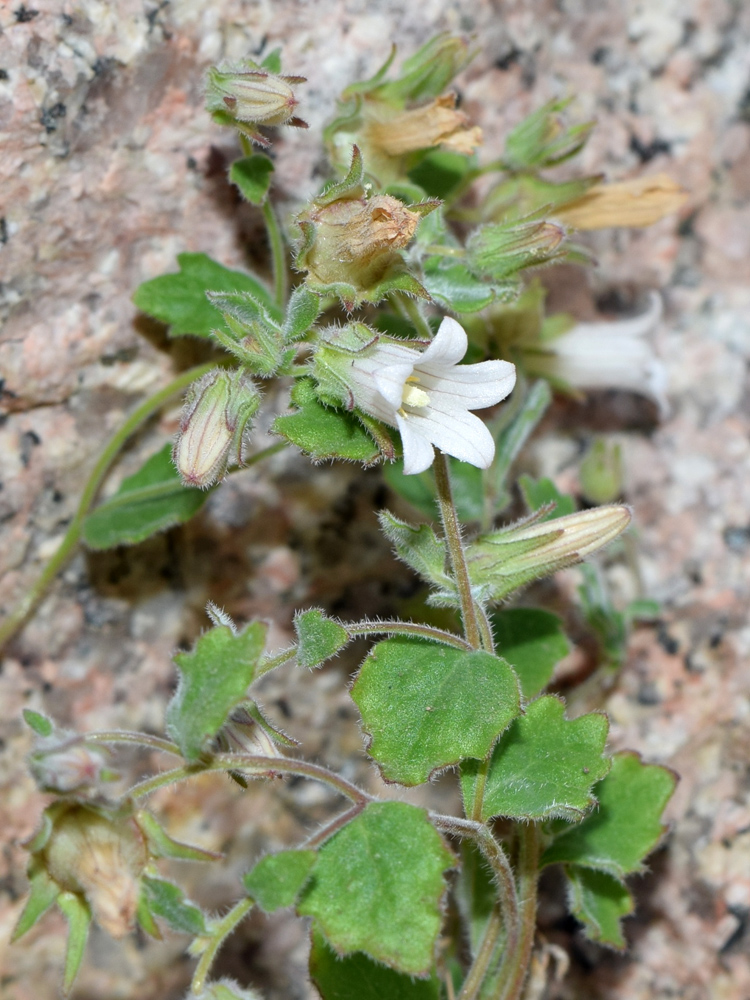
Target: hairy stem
{"points": [[334, 826], [219, 934], [252, 764], [408, 628], [72, 536], [278, 256], [408, 308], [515, 965], [139, 739], [483, 959], [452, 531]]}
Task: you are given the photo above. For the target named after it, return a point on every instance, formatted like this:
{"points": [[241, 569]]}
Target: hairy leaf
{"points": [[626, 826], [252, 175], [427, 706], [599, 901], [544, 766], [533, 642], [319, 638], [323, 432], [377, 887], [276, 880], [167, 900], [214, 678]]}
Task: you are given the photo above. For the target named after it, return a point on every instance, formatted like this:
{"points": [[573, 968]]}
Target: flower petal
{"points": [[472, 386], [449, 345], [418, 452], [389, 381], [458, 433]]}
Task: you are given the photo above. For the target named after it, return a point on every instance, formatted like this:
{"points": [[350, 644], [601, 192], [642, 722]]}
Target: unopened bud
{"points": [[435, 124], [505, 560], [355, 240], [601, 472], [67, 767], [248, 94], [212, 426], [101, 859], [504, 248]]}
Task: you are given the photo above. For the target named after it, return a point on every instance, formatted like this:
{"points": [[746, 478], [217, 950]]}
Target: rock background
{"points": [[109, 168]]}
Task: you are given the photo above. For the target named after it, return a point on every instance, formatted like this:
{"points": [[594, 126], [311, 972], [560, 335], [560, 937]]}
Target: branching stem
{"points": [[219, 933], [408, 628]]}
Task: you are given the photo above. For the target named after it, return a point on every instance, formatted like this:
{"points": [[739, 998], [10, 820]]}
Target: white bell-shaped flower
{"points": [[429, 396]]}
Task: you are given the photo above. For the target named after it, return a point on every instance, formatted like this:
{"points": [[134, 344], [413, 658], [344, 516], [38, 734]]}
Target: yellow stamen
{"points": [[413, 396]]}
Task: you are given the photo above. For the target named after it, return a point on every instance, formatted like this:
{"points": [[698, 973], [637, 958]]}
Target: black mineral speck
{"points": [[23, 14]]}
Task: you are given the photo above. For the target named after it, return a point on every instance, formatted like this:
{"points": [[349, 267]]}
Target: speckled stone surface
{"points": [[109, 168]]}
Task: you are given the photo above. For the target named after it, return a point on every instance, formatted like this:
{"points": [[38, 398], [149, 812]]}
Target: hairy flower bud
{"points": [[101, 859], [67, 766], [248, 95], [504, 560], [212, 426]]}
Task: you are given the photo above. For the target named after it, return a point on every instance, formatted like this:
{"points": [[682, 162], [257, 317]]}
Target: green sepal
{"points": [[525, 194], [350, 187], [42, 894], [599, 901], [500, 250], [252, 175], [145, 917], [303, 309], [277, 879], [214, 678], [40, 724], [179, 300], [78, 916], [167, 900], [419, 547], [533, 642], [426, 73], [542, 140], [358, 977], [151, 500], [161, 845], [389, 852], [544, 766], [318, 637], [38, 840], [323, 432], [626, 826], [426, 706], [255, 338], [396, 278]]}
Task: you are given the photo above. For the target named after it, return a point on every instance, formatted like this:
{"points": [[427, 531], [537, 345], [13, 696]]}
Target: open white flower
{"points": [[608, 355], [428, 396]]}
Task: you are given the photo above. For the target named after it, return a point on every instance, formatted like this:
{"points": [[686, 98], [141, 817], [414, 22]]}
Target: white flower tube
{"points": [[428, 396], [615, 355]]}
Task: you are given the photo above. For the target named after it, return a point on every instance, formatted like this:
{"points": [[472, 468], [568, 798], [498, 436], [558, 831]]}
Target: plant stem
{"points": [[452, 530], [139, 416], [252, 763], [409, 309], [334, 826], [515, 965], [139, 739], [278, 257], [219, 934], [408, 628], [483, 959]]}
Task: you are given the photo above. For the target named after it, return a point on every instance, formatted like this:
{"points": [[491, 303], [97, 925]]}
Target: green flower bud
{"points": [[248, 95], [213, 425], [505, 560], [601, 472]]}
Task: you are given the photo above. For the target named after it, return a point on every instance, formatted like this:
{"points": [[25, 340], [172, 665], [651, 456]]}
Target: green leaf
{"points": [[475, 893], [357, 977], [42, 894], [145, 917], [161, 845], [453, 286], [427, 706], [76, 912], [167, 900], [252, 175], [544, 766], [323, 432], [41, 725], [214, 678], [419, 547], [599, 901], [276, 880], [377, 887], [319, 638], [272, 62], [151, 500], [538, 492], [418, 490], [626, 827], [302, 311], [533, 642], [180, 299], [440, 171]]}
